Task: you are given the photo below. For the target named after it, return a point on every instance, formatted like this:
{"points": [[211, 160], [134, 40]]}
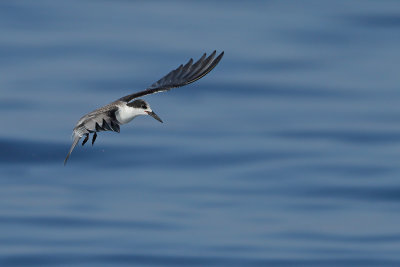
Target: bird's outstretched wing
{"points": [[102, 119], [183, 75]]}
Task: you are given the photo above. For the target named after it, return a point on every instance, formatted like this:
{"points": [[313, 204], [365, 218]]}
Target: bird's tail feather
{"points": [[74, 143]]}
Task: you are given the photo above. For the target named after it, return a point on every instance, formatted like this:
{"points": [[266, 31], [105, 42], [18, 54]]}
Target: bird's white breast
{"points": [[125, 114]]}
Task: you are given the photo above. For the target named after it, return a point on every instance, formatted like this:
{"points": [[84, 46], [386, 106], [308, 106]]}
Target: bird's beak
{"points": [[154, 115]]}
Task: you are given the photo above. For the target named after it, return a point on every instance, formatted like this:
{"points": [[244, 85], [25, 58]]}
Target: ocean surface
{"points": [[286, 154]]}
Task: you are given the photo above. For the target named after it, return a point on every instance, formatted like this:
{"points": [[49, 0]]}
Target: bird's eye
{"points": [[144, 107]]}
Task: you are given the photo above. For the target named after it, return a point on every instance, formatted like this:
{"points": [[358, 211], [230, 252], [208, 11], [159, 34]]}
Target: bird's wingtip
{"points": [[66, 159], [76, 140]]}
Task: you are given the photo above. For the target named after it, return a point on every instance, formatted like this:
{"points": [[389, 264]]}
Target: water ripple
{"points": [[81, 222]]}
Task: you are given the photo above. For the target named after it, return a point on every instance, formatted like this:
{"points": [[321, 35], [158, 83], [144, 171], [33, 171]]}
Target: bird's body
{"points": [[122, 111], [125, 114]]}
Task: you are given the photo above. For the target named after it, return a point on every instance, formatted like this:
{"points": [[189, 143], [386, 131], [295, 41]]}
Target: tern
{"points": [[124, 110]]}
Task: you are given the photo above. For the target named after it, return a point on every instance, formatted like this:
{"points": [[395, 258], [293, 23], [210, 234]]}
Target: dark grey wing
{"points": [[102, 119], [183, 75], [105, 121]]}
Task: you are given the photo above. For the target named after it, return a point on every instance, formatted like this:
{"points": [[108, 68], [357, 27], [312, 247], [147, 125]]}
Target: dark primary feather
{"points": [[102, 119], [183, 75]]}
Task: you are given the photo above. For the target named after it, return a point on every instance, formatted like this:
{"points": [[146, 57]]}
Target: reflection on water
{"points": [[285, 154]]}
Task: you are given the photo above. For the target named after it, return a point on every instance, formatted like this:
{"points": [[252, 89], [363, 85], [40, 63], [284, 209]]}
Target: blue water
{"points": [[286, 154]]}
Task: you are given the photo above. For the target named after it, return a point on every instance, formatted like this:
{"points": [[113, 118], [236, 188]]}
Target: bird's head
{"points": [[143, 108]]}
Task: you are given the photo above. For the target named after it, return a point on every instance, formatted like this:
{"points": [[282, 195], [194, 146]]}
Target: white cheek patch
{"points": [[126, 114]]}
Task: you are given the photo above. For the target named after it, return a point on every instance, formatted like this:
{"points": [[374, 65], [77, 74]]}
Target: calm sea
{"points": [[286, 154]]}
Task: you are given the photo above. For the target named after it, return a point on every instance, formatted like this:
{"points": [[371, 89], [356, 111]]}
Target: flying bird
{"points": [[123, 110]]}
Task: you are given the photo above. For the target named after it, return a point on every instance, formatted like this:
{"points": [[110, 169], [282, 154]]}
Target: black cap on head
{"points": [[138, 103]]}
